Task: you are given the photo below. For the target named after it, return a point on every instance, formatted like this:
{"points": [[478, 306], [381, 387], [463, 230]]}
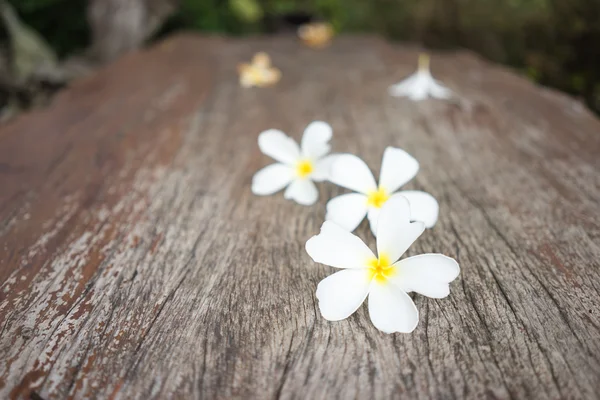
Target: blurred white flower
{"points": [[297, 168], [397, 168], [259, 72], [420, 85], [384, 279]]}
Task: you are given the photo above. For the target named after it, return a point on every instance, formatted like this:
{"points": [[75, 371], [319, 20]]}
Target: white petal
{"points": [[315, 140], [342, 293], [352, 173], [419, 86], [423, 206], [427, 274], [271, 179], [397, 168], [395, 232], [322, 170], [415, 87], [392, 310], [419, 93], [403, 87], [336, 247], [420, 90], [302, 191], [439, 91], [347, 210], [246, 80], [373, 216], [279, 146]]}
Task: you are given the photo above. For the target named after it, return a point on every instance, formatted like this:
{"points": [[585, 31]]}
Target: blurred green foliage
{"points": [[553, 42], [61, 22]]}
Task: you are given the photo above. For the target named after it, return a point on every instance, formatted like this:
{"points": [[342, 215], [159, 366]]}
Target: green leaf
{"points": [[246, 10]]}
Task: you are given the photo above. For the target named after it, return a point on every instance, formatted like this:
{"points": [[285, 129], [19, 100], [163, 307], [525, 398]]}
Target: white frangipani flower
{"points": [[384, 279], [420, 85], [297, 168], [397, 168]]}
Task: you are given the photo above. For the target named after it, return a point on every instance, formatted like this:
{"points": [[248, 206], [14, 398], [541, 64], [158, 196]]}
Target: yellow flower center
{"points": [[256, 75], [304, 168], [380, 269], [377, 198]]}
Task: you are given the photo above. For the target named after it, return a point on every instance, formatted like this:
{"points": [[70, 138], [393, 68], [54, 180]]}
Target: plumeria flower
{"points": [[316, 34], [420, 85], [259, 73], [384, 279], [297, 167], [397, 168]]}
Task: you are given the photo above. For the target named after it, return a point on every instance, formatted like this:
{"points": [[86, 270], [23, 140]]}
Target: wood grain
{"points": [[136, 263]]}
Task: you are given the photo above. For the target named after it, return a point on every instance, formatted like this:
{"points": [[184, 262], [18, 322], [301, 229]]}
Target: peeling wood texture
{"points": [[136, 263]]}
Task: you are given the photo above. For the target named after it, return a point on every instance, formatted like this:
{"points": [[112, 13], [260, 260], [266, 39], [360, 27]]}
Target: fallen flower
{"points": [[297, 168], [316, 34], [421, 84], [383, 279], [397, 168], [259, 72]]}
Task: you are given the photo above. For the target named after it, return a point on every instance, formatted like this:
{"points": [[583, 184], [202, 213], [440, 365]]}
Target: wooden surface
{"points": [[136, 263]]}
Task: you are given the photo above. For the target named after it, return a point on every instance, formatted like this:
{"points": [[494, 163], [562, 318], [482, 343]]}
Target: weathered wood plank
{"points": [[136, 263]]}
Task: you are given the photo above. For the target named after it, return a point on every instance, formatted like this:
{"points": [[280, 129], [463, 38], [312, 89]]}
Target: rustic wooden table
{"points": [[136, 263]]}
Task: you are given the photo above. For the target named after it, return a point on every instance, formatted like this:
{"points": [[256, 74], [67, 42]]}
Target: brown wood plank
{"points": [[136, 263]]}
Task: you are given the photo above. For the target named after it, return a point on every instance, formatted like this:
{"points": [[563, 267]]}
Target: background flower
{"points": [[297, 167], [259, 72], [420, 85], [397, 168], [316, 34]]}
